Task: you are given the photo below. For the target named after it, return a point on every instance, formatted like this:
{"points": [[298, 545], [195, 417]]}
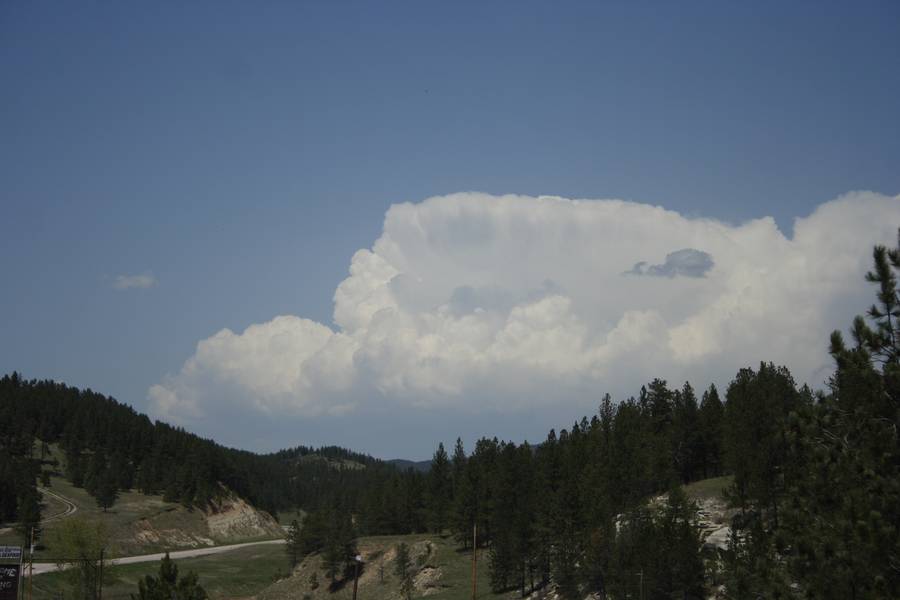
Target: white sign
{"points": [[8, 553]]}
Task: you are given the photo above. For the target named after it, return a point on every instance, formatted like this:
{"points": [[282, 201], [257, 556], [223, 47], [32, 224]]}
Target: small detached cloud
{"points": [[134, 282], [687, 262]]}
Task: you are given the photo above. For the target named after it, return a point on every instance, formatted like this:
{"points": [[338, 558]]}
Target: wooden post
{"points": [[474, 560], [31, 564]]}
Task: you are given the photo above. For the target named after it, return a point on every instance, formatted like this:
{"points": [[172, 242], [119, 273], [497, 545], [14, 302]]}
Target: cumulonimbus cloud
{"points": [[480, 301]]}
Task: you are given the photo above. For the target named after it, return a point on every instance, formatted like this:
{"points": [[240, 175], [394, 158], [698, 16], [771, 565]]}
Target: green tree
{"points": [[96, 471], [28, 510], [685, 437], [105, 491], [440, 489], [403, 570], [758, 404], [464, 496], [658, 549], [842, 515], [75, 468], [339, 549], [168, 586], [293, 543], [711, 416], [121, 471], [79, 548], [313, 532]]}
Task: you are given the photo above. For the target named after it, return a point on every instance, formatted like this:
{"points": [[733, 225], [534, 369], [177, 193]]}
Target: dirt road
{"points": [[70, 506], [70, 509], [40, 568]]}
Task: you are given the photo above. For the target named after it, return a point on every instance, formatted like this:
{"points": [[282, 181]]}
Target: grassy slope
{"points": [[285, 517], [708, 488], [124, 520], [132, 515], [239, 573], [454, 583]]}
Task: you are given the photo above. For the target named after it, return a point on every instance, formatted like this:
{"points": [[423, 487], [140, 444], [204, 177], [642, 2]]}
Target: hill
{"points": [[422, 466], [141, 523], [105, 448]]}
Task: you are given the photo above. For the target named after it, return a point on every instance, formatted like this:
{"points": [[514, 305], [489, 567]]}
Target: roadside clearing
{"points": [[41, 568]]}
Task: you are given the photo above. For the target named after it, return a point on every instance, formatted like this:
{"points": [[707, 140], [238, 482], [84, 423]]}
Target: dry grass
{"points": [[442, 572]]}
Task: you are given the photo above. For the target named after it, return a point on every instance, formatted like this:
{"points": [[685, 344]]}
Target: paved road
{"points": [[40, 568]]}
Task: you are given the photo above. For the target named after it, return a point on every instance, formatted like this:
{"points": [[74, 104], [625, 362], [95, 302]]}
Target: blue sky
{"points": [[242, 153]]}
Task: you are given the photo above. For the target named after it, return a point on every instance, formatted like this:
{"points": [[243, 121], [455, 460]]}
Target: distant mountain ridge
{"points": [[420, 466]]}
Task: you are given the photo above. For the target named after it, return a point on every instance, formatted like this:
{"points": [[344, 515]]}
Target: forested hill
{"points": [[109, 446]]}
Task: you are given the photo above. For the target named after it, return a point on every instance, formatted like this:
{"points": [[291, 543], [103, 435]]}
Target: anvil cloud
{"points": [[484, 303]]}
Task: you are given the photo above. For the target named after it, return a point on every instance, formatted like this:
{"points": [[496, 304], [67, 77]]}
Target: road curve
{"points": [[40, 568], [70, 506], [70, 509]]}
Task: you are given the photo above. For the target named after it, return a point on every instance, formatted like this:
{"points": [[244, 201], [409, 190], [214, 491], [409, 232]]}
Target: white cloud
{"points": [[130, 282], [479, 302]]}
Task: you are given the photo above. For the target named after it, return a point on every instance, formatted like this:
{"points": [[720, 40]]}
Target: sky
{"points": [[387, 225]]}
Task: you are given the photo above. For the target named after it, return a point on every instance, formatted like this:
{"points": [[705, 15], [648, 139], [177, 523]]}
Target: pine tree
{"points": [[685, 435], [439, 490], [293, 543], [75, 468], [600, 513], [105, 491], [842, 515], [711, 415], [28, 512], [464, 500], [96, 470], [121, 471], [403, 570], [168, 585], [758, 404]]}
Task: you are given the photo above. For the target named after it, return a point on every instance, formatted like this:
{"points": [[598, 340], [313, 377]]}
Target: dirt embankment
{"points": [[378, 579], [229, 519], [232, 517]]}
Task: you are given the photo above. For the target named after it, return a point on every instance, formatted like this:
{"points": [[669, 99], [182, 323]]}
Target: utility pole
{"points": [[100, 578], [641, 575], [31, 564], [356, 561], [474, 559]]}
